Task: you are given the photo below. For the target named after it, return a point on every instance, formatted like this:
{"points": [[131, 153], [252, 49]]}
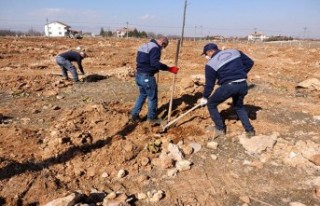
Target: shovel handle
{"points": [[175, 120]]}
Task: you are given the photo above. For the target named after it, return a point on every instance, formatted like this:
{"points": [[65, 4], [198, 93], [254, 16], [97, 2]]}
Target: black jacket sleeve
{"points": [[79, 61], [247, 62], [211, 77], [155, 55]]}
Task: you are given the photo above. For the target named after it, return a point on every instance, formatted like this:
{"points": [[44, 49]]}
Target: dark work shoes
{"points": [[216, 132], [77, 82], [134, 119], [156, 121], [250, 134]]}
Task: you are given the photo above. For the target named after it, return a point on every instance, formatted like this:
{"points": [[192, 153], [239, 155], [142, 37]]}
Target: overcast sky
{"points": [[297, 18]]}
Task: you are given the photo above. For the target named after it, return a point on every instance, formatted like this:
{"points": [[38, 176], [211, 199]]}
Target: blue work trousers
{"points": [[147, 89], [237, 91], [65, 66]]}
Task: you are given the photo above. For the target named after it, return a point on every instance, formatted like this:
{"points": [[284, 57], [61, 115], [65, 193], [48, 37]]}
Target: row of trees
{"points": [[105, 33], [279, 38], [137, 34], [134, 33], [142, 34], [30, 32]]}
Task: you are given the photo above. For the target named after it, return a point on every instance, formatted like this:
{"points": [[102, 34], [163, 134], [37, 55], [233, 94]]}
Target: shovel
{"points": [[164, 127]]}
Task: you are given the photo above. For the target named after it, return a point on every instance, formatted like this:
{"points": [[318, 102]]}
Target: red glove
{"points": [[173, 69]]}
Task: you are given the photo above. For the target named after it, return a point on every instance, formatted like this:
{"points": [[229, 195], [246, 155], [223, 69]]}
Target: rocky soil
{"points": [[73, 144]]}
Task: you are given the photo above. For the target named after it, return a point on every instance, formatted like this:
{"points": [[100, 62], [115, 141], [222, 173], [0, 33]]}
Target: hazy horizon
{"points": [[296, 18]]}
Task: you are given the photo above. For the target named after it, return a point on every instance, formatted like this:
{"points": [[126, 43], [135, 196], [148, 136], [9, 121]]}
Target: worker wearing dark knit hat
{"points": [[229, 68]]}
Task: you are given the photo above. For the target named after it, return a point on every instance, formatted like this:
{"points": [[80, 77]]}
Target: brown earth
{"points": [[57, 138]]}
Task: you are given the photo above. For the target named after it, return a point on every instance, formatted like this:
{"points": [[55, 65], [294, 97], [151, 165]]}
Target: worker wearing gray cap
{"points": [[148, 64], [229, 68]]}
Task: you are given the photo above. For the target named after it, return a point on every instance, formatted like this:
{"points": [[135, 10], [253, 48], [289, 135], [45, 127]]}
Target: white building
{"points": [[123, 32], [256, 36], [56, 29]]}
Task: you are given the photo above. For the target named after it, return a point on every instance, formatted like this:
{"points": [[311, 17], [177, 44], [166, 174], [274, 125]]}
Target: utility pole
{"points": [[184, 22], [48, 28], [304, 32], [127, 30], [195, 33]]}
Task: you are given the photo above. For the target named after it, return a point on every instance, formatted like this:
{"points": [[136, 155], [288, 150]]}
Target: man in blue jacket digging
{"points": [[229, 68]]}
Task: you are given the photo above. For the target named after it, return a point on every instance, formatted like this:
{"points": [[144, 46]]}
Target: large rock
{"points": [[174, 152], [183, 165], [312, 83], [315, 159], [69, 200], [257, 144]]}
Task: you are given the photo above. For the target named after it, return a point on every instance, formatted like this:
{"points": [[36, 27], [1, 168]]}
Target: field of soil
{"points": [[73, 144]]}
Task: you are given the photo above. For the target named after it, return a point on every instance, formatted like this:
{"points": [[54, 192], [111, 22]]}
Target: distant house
{"points": [[218, 37], [257, 36], [56, 29], [123, 32]]}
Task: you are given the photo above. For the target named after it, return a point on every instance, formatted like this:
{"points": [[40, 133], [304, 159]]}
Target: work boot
{"points": [[250, 134], [156, 121], [77, 82], [64, 77], [217, 132], [134, 118]]}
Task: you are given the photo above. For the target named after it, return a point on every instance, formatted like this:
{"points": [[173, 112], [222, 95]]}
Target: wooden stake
{"points": [[174, 81]]}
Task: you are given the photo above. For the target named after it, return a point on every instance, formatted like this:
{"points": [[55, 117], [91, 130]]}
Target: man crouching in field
{"points": [[65, 60]]}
